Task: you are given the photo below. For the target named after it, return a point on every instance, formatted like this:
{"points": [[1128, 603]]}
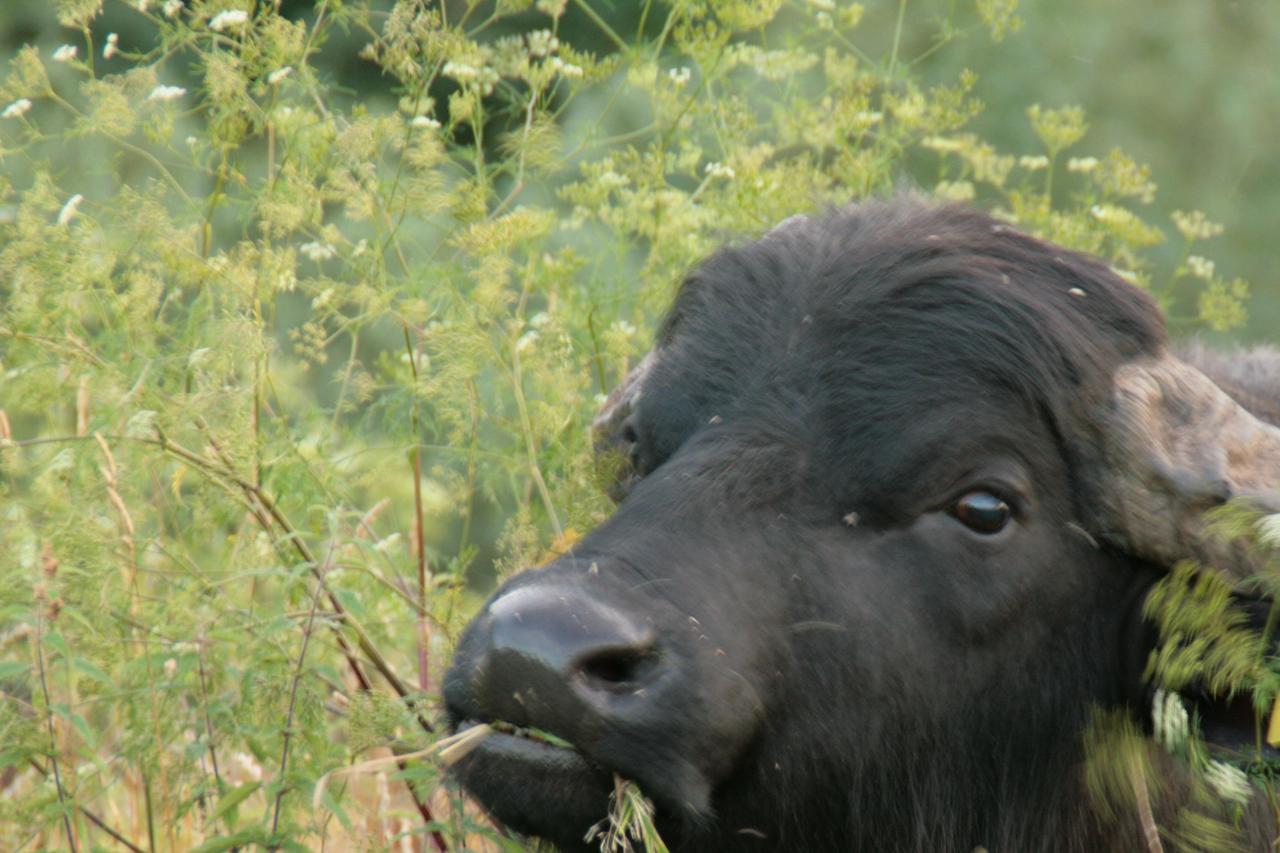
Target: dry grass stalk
{"points": [[630, 821], [111, 475], [451, 750], [82, 407], [365, 528], [1150, 832]]}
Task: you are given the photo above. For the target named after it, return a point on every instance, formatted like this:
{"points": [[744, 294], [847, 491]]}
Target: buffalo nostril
{"points": [[552, 652], [619, 670]]}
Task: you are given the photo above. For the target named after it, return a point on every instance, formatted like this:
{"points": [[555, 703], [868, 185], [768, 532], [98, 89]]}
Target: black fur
{"points": [[851, 667]]}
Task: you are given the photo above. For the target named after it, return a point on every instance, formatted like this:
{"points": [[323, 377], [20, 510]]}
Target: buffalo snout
{"points": [[582, 677], [558, 659]]}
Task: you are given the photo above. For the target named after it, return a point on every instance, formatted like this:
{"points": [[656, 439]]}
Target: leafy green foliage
{"points": [[1206, 637], [287, 371], [1208, 644]]}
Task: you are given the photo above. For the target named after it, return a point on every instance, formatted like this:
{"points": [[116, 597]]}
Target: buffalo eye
{"points": [[982, 512]]}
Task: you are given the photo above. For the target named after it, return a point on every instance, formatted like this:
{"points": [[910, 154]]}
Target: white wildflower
{"points": [[773, 64], [623, 327], [248, 765], [540, 319], [554, 8], [142, 424], [1269, 530], [318, 251], [192, 141], [17, 109], [69, 209], [279, 74], [1230, 782], [170, 667], [65, 53], [1195, 225], [568, 69], [420, 358], [944, 145], [680, 76], [424, 121], [1082, 164], [527, 340], [869, 117], [385, 544], [460, 71], [142, 5], [231, 19], [1111, 215], [464, 73], [171, 8], [1169, 719], [542, 43], [720, 170], [166, 93], [112, 47], [1201, 267], [612, 180], [1033, 163]]}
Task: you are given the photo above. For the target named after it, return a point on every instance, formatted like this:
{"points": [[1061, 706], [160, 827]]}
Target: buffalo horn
{"points": [[1176, 445]]}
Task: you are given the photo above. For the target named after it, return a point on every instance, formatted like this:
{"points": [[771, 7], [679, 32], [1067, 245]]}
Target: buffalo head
{"points": [[900, 480]]}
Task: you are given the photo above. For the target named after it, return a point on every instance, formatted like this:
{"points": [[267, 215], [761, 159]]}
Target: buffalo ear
{"points": [[1175, 445], [613, 431]]}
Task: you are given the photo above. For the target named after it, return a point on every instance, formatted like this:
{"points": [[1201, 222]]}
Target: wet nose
{"points": [[554, 656]]}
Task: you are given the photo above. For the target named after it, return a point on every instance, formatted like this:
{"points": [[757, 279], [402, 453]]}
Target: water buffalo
{"points": [[901, 478]]}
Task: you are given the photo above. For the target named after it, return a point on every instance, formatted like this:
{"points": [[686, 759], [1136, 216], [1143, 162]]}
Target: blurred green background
{"points": [[1191, 88]]}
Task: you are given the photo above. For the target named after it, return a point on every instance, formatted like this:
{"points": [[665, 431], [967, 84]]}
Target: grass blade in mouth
{"points": [[454, 748], [451, 750], [530, 733], [630, 821]]}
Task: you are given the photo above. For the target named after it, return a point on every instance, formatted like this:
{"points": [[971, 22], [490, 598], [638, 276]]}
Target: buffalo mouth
{"points": [[535, 783]]}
